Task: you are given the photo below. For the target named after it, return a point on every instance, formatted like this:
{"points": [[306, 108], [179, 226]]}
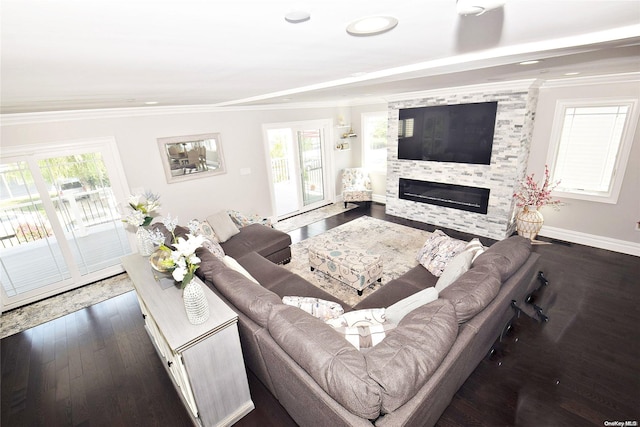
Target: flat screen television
{"points": [[461, 133]]}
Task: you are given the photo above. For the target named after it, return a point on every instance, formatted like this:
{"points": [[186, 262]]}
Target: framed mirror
{"points": [[191, 156]]}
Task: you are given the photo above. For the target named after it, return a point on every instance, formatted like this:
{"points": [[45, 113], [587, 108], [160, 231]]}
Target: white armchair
{"points": [[356, 186]]}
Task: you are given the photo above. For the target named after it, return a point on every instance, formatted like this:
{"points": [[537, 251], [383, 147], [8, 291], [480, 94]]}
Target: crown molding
{"points": [[592, 80], [502, 86], [110, 113]]}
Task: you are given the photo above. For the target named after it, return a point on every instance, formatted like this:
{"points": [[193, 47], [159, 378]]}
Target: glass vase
{"points": [[195, 303], [529, 222], [143, 242]]}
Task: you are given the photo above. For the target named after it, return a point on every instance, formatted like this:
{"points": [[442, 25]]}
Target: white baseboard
{"points": [[615, 245], [380, 198]]}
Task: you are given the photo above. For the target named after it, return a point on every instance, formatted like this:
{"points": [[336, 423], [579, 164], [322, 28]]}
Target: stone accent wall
{"points": [[512, 140]]}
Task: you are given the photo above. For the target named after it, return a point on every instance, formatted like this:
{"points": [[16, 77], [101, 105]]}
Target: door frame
{"points": [[326, 125], [108, 147]]}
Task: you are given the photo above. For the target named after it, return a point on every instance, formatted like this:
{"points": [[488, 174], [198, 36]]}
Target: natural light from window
{"points": [[590, 146], [374, 141]]}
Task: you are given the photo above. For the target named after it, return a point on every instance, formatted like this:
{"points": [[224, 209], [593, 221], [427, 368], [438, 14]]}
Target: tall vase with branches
{"points": [[530, 197]]}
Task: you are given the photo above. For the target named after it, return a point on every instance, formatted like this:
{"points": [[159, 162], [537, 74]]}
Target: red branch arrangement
{"points": [[533, 194]]}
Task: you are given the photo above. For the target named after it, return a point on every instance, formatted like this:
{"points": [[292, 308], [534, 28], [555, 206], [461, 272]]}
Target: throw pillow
{"points": [[204, 229], [223, 226], [437, 251], [213, 247], [397, 311], [242, 220], [234, 265], [455, 268], [365, 317], [362, 328], [365, 336], [476, 247], [322, 309]]}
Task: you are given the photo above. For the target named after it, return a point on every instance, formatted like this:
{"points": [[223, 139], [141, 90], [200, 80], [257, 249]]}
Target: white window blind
{"points": [[589, 149]]}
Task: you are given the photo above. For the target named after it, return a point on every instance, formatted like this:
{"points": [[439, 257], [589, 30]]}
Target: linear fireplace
{"points": [[471, 199]]}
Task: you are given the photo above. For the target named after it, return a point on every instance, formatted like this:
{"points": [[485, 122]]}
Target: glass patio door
{"points": [[59, 223], [298, 167]]}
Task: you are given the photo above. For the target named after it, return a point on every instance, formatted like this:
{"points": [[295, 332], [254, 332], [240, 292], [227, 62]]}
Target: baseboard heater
{"points": [[471, 199]]}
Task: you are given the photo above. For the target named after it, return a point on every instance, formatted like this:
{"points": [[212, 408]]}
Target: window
{"points": [[374, 141], [590, 146]]}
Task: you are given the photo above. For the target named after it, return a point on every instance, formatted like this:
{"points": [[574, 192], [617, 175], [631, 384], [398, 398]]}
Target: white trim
{"points": [[15, 119], [515, 85], [380, 198], [624, 151], [601, 242], [591, 80]]}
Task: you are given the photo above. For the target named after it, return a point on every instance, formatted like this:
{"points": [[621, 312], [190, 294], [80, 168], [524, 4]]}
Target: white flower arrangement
{"points": [[182, 260], [143, 206]]}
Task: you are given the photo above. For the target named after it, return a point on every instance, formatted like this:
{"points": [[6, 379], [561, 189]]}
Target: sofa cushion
{"points": [[234, 265], [437, 251], [250, 298], [455, 268], [337, 367], [256, 238], [473, 291], [223, 226], [395, 312], [414, 280], [507, 255], [408, 356]]}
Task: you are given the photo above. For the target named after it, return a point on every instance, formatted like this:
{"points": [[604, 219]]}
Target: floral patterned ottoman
{"points": [[355, 267]]}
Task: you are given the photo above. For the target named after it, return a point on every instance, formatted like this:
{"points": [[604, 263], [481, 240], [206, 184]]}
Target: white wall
{"points": [[610, 226], [242, 141]]}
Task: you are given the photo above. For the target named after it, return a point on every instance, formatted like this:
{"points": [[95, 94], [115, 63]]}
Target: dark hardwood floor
{"points": [[97, 366]]}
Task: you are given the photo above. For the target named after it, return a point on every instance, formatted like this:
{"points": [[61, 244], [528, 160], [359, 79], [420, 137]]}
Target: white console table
{"points": [[204, 361]]}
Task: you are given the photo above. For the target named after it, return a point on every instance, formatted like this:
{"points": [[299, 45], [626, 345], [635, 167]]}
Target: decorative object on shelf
{"points": [[195, 303], [531, 197], [144, 242], [181, 260], [350, 134], [142, 207]]}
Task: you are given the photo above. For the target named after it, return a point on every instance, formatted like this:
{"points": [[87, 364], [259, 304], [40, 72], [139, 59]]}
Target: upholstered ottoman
{"points": [[352, 266]]}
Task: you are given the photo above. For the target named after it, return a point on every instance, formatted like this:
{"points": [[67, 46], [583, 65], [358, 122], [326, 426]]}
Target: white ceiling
{"points": [[75, 55]]}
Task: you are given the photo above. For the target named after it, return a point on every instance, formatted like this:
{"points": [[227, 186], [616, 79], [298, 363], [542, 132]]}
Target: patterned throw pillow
{"points": [[242, 220], [362, 328], [213, 247], [204, 229], [438, 250], [210, 241], [316, 307]]}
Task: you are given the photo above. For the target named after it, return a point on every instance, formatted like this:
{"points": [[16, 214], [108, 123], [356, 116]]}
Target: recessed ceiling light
{"points": [[477, 7], [151, 103], [573, 73], [372, 26], [297, 16], [534, 61]]}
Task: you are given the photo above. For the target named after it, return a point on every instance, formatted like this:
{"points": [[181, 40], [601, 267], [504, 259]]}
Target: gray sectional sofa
{"points": [[407, 379]]}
